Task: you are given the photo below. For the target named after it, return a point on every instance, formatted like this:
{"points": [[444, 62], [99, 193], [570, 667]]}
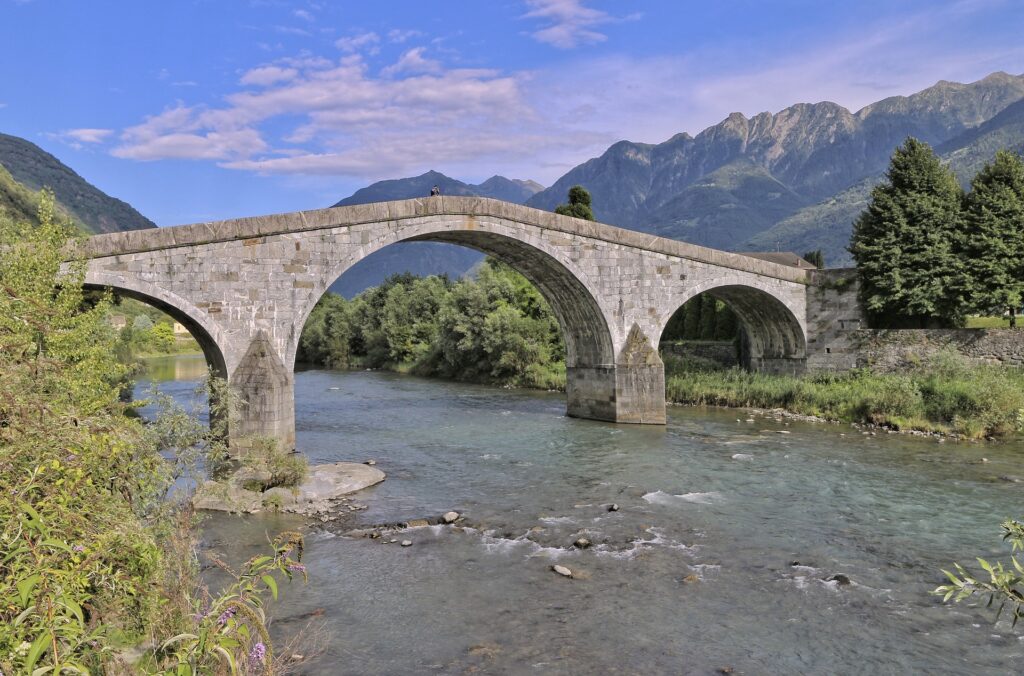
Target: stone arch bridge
{"points": [[245, 287]]}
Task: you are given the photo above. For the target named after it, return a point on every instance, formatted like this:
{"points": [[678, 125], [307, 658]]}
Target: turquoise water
{"points": [[693, 573]]}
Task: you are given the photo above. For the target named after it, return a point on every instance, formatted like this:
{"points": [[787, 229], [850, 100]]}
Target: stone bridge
{"points": [[245, 287]]}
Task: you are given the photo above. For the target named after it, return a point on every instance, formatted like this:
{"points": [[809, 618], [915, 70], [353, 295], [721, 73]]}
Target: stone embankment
{"points": [[319, 493]]}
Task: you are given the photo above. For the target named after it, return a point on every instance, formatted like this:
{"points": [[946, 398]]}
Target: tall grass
{"points": [[946, 393]]}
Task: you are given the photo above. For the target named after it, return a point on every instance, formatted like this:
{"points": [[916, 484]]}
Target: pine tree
{"points": [[708, 317], [727, 324], [691, 322], [579, 204], [993, 242], [815, 258], [904, 243]]}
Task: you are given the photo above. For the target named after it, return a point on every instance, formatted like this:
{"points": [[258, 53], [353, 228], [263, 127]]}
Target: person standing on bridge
{"points": [[435, 191]]}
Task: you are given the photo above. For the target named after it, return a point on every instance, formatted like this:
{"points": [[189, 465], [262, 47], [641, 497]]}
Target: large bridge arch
{"points": [[583, 319], [776, 329]]}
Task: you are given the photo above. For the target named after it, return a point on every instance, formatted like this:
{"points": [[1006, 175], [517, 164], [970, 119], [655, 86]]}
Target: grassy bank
{"points": [[946, 394]]}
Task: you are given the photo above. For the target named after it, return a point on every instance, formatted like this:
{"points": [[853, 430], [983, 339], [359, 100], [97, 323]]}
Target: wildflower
{"points": [[257, 654], [297, 566], [226, 615], [78, 548]]}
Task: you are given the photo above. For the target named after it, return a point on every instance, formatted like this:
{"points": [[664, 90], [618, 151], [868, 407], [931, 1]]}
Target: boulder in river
{"points": [[582, 543], [450, 517], [561, 570], [839, 578], [324, 483]]}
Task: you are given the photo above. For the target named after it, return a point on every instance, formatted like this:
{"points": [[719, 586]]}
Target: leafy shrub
{"points": [[283, 468]]}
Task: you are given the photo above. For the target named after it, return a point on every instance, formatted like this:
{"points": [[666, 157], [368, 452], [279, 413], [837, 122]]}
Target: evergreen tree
{"points": [[993, 242], [727, 325], [815, 258], [904, 242], [578, 206], [691, 322], [708, 317]]}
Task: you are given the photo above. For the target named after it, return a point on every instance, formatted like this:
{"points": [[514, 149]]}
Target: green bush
{"points": [[284, 468]]}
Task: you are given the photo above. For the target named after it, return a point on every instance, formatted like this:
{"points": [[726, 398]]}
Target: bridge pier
{"points": [[266, 397], [621, 394]]}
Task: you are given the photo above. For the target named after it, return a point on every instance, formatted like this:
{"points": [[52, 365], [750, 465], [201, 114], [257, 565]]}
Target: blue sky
{"points": [[206, 109]]}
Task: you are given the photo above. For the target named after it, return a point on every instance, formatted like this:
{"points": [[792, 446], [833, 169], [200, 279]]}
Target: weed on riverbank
{"points": [[946, 394]]}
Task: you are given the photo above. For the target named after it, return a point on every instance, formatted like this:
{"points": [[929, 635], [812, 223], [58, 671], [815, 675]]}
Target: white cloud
{"points": [[183, 133], [354, 43], [413, 61], [571, 23], [268, 75], [305, 15], [88, 135]]}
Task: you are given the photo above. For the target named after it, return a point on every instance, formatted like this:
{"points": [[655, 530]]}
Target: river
{"points": [[693, 574]]}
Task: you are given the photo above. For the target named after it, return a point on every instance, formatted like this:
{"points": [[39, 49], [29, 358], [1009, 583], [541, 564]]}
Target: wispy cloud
{"points": [[570, 23], [304, 14], [413, 61], [398, 36], [355, 43], [268, 75], [79, 138]]}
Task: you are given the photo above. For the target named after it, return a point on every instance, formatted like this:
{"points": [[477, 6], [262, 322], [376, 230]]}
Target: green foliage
{"points": [[579, 204], [1005, 585], [993, 242], [945, 393], [231, 628], [496, 328], [282, 468], [91, 537], [702, 318], [815, 258], [905, 243]]}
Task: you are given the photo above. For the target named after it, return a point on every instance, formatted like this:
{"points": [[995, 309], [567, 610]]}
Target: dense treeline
{"points": [[928, 254], [495, 328], [702, 318]]}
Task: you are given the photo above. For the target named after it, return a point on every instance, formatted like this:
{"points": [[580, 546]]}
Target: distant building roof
{"points": [[781, 257]]}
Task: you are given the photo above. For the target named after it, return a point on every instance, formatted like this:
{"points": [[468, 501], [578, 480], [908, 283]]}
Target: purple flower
{"points": [[297, 566], [226, 615], [257, 654], [78, 548]]}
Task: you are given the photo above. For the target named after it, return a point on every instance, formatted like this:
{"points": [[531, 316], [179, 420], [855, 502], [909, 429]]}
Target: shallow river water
{"points": [[694, 573]]}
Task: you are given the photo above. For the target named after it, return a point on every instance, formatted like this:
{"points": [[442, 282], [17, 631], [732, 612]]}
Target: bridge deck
{"points": [[136, 241]]}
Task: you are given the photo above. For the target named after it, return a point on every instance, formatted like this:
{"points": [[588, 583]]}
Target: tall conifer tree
{"points": [[904, 243], [993, 236]]}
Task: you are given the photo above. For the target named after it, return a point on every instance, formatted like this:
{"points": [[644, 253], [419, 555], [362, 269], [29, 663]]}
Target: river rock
{"points": [[582, 543], [450, 517], [561, 570], [371, 463], [613, 507], [839, 578], [407, 543], [417, 523], [324, 483]]}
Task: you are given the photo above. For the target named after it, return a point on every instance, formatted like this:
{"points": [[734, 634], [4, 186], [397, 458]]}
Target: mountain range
{"points": [[25, 168], [793, 180]]}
